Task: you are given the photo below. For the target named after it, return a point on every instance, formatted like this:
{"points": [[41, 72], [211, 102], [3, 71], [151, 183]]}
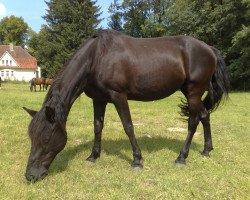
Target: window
{"points": [[7, 62], [2, 62], [2, 73], [12, 74], [10, 62], [7, 73]]}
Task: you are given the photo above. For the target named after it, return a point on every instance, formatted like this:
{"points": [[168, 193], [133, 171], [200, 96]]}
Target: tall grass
{"points": [[160, 133]]}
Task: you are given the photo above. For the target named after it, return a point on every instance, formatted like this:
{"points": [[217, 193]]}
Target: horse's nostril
{"points": [[44, 174], [30, 177]]}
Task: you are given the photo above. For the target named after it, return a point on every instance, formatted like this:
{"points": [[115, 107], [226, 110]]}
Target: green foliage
{"points": [[240, 67], [140, 18], [14, 30], [156, 23], [69, 23], [160, 134], [115, 16], [134, 14]]}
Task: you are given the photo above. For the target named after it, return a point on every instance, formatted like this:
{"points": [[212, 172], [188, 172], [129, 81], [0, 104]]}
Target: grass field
{"points": [[160, 132]]}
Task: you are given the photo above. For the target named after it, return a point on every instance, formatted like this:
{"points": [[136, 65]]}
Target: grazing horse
{"points": [[48, 82], [37, 81], [114, 68]]}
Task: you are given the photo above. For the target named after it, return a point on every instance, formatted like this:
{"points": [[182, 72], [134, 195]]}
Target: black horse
{"points": [[114, 68]]}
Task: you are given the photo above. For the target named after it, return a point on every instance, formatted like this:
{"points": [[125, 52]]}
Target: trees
{"points": [[69, 23], [156, 23], [139, 18], [116, 14], [240, 67], [135, 14], [14, 30]]}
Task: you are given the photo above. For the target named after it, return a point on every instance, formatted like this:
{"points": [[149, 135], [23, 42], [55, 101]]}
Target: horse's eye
{"points": [[46, 139]]}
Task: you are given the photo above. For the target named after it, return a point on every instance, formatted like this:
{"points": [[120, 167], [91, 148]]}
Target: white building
{"points": [[17, 64]]}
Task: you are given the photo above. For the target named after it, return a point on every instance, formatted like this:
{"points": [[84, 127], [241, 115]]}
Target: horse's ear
{"points": [[31, 112], [50, 114]]}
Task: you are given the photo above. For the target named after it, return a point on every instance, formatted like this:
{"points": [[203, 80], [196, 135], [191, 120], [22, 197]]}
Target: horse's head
{"points": [[48, 138]]}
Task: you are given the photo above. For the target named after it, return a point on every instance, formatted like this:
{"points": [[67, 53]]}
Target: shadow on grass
{"points": [[115, 147]]}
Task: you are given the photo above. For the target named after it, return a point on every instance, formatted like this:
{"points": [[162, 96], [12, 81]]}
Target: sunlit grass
{"points": [[159, 131]]}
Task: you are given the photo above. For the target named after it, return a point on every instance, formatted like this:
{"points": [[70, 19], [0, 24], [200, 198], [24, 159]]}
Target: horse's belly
{"points": [[149, 96], [149, 88]]}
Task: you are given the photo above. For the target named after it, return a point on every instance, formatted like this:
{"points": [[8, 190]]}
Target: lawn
{"points": [[160, 132]]}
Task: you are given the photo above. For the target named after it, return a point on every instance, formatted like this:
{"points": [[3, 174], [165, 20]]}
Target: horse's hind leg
{"points": [[99, 112], [205, 120], [192, 126], [194, 108]]}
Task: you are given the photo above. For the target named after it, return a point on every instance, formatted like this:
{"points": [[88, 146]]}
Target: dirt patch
{"points": [[176, 129]]}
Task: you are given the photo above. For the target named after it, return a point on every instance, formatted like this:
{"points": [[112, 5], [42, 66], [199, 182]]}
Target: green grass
{"points": [[225, 175]]}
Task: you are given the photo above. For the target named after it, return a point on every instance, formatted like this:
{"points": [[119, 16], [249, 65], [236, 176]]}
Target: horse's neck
{"points": [[72, 81]]}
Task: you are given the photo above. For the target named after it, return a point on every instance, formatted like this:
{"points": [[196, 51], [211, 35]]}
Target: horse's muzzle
{"points": [[36, 174]]}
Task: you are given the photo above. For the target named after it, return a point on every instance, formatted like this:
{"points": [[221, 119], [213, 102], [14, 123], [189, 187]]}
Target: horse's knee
{"points": [[98, 126], [194, 106], [129, 129], [204, 117]]}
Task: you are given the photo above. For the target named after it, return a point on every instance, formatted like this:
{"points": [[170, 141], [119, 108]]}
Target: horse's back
{"points": [[148, 69], [145, 69]]}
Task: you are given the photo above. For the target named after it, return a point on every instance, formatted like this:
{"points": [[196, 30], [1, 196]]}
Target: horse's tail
{"points": [[32, 84], [219, 85]]}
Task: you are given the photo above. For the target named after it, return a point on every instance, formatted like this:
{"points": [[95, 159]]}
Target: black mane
{"points": [[105, 39]]}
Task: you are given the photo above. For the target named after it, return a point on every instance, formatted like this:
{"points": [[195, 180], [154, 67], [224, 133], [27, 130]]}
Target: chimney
{"points": [[11, 47]]}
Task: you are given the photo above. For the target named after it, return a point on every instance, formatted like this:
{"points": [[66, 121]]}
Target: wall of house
{"points": [[19, 74]]}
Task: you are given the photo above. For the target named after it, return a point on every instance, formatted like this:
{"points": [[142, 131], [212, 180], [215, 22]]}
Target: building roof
{"points": [[23, 59]]}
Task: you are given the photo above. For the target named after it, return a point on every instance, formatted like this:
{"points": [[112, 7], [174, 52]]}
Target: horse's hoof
{"points": [[180, 162], [136, 166], [91, 159], [205, 153]]}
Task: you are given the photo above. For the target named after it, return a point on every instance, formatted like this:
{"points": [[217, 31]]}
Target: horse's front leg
{"points": [[99, 112], [121, 105]]}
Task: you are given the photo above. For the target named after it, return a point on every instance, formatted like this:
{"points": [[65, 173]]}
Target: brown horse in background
{"points": [[37, 81], [48, 82]]}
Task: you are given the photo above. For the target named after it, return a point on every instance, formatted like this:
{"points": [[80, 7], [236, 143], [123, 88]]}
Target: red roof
{"points": [[23, 59]]}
